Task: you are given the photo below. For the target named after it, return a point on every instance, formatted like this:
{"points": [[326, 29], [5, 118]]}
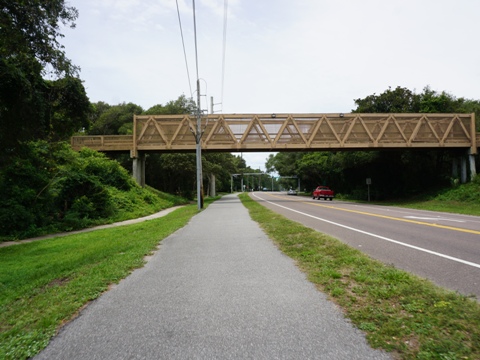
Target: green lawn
{"points": [[43, 284]]}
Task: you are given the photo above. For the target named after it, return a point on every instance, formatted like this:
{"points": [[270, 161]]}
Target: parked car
{"points": [[323, 192], [292, 192]]}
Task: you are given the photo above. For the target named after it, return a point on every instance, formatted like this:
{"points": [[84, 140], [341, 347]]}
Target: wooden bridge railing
{"points": [[292, 132]]}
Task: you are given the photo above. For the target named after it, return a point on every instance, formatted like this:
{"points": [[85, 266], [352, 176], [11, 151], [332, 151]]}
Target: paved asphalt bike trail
{"points": [[216, 289]]}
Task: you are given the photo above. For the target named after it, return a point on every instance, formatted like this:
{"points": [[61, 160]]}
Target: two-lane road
{"points": [[444, 248]]}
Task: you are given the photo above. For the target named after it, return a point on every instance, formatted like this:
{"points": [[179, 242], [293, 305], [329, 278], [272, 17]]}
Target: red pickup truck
{"points": [[323, 192]]}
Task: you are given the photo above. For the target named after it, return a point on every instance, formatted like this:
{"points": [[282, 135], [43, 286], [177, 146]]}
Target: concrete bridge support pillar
{"points": [[213, 190], [473, 169], [463, 169], [138, 169]]}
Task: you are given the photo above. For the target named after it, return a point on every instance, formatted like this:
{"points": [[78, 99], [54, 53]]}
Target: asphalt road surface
{"points": [[442, 247], [216, 289]]}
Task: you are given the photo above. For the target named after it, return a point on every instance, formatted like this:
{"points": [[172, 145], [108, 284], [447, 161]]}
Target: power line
{"points": [[225, 16], [184, 52]]}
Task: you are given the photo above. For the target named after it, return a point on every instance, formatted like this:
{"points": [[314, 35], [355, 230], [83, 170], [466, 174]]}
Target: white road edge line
{"points": [[377, 236]]}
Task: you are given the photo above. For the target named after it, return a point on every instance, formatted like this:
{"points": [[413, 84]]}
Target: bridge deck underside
{"points": [[292, 132]]}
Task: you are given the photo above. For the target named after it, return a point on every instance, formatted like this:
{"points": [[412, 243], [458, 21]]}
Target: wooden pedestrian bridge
{"points": [[290, 132]]}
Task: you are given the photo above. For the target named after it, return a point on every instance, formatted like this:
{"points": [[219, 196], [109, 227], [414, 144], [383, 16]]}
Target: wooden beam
{"points": [[293, 132]]}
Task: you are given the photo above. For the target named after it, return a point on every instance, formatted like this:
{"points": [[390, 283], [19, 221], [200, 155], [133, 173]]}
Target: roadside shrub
{"points": [[109, 172], [85, 196], [24, 203], [45, 187], [48, 187], [16, 219], [469, 192], [80, 214]]}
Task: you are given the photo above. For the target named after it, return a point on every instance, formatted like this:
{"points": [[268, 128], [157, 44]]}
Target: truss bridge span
{"points": [[291, 132]]}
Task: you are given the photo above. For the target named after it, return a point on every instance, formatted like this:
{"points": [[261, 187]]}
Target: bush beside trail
{"points": [[48, 187]]}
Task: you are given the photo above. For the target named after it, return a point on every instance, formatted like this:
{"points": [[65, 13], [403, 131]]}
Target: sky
{"points": [[302, 56]]}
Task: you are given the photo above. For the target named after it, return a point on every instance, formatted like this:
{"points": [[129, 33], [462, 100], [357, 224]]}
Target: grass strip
{"points": [[44, 284], [399, 312]]}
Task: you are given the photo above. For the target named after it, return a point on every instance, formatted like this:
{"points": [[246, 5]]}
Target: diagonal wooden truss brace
{"points": [[295, 132]]}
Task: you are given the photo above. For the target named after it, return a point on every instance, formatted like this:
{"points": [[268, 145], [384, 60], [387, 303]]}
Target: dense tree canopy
{"points": [[174, 172], [395, 172], [32, 107], [399, 100], [182, 105], [113, 120], [30, 33]]}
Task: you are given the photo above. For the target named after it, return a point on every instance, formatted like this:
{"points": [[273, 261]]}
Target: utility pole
{"points": [[198, 132], [198, 140]]}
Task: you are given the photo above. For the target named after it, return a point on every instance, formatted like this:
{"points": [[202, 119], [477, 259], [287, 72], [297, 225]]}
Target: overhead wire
{"points": [[225, 17], [224, 46], [184, 51]]}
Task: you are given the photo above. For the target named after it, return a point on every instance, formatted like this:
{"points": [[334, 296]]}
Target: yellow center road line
{"points": [[445, 256], [476, 232]]}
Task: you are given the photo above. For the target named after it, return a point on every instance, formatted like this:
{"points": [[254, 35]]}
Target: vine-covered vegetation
{"points": [[48, 187]]}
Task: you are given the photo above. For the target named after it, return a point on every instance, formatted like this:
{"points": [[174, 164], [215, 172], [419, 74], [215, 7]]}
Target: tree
{"points": [[180, 106], [403, 172], [222, 165], [172, 173], [318, 168], [283, 163], [29, 34], [22, 104], [432, 102], [68, 108], [394, 173], [399, 100], [29, 30], [115, 120]]}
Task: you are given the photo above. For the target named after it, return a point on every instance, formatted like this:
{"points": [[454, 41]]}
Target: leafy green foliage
{"points": [[399, 100], [114, 120], [394, 173], [180, 106], [22, 104], [35, 109], [69, 108], [95, 164], [31, 29], [47, 187], [32, 108]]}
